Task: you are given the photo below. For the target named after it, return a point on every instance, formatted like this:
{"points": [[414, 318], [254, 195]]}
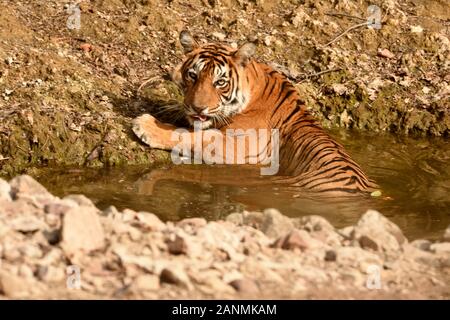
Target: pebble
{"points": [[245, 286], [26, 185], [177, 245], [82, 231], [175, 275]]}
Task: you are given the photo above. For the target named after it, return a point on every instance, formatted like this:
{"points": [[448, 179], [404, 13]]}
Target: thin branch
{"points": [[333, 14], [347, 31]]}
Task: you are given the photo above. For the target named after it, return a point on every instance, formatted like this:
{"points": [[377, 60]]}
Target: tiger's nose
{"points": [[200, 109]]}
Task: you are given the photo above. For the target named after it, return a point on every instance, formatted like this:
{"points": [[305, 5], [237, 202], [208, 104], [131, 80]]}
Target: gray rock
{"points": [[82, 231], [374, 231], [271, 222], [25, 185]]}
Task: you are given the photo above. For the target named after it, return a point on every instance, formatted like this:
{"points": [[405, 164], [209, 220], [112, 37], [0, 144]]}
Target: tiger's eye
{"points": [[192, 75], [220, 83]]}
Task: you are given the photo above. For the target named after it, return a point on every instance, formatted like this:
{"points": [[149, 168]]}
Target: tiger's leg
{"points": [[224, 149]]}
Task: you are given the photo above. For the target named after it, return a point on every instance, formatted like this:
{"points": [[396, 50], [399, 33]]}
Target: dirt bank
{"points": [[67, 248], [67, 96]]}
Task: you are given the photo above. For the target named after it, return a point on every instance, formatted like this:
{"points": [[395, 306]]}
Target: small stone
{"points": [[442, 247], [297, 239], [26, 185], [56, 208], [13, 286], [193, 223], [375, 231], [86, 47], [367, 243], [150, 221], [235, 218], [27, 224], [177, 245], [271, 222], [219, 36], [416, 29], [175, 275], [82, 231], [51, 274], [447, 234], [423, 245], [5, 190], [330, 255], [146, 282], [268, 40], [385, 53], [245, 286]]}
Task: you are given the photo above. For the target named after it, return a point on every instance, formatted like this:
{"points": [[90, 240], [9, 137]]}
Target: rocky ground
{"points": [[67, 96], [67, 248]]}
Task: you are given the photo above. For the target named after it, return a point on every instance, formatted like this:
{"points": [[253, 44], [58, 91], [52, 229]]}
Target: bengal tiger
{"points": [[226, 88]]}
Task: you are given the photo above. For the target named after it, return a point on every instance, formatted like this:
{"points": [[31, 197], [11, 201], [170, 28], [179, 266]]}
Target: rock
{"points": [[5, 191], [374, 231], [56, 208], [319, 228], [330, 255], [150, 221], [51, 274], [192, 223], [13, 286], [219, 36], [27, 224], [385, 53], [82, 231], [442, 247], [146, 282], [421, 244], [357, 258], [296, 239], [245, 286], [447, 234], [235, 218], [177, 245], [271, 222], [25, 185], [175, 275]]}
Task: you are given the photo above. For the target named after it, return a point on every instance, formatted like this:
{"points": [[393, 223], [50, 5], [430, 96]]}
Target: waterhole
{"points": [[414, 175]]}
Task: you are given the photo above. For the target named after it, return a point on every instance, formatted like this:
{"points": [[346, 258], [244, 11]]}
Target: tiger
{"points": [[227, 88]]}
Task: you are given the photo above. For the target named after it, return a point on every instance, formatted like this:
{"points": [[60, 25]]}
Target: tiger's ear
{"points": [[187, 41], [245, 53]]}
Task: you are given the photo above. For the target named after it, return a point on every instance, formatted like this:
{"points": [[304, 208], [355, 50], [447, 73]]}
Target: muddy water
{"points": [[414, 175]]}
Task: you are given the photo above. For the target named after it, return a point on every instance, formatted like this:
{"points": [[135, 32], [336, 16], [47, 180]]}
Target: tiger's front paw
{"points": [[148, 129]]}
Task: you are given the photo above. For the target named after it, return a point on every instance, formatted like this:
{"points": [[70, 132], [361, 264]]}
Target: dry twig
{"points": [[356, 26]]}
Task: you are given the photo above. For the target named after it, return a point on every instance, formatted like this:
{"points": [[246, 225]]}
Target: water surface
{"points": [[413, 172]]}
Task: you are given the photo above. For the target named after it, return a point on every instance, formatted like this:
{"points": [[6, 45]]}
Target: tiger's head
{"points": [[212, 77]]}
